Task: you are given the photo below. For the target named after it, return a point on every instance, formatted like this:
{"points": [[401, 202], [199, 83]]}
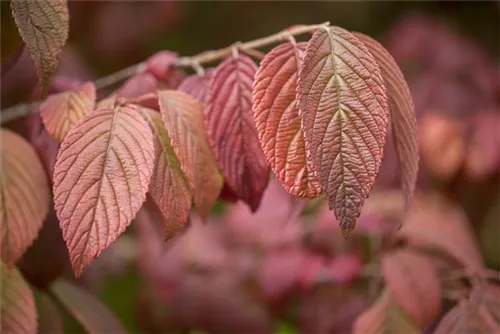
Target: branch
{"points": [[25, 109]]}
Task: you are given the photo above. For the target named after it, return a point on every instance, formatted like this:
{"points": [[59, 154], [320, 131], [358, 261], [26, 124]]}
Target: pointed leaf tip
{"points": [[344, 111]]}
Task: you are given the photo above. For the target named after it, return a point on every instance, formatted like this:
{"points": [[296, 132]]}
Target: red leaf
{"points": [[231, 129], [183, 118], [277, 119], [61, 111], [137, 85], [92, 314], [44, 26], [437, 225], [101, 177], [17, 305], [384, 317], [168, 187], [463, 318], [344, 110], [160, 64], [198, 86], [414, 282], [403, 120], [24, 196]]}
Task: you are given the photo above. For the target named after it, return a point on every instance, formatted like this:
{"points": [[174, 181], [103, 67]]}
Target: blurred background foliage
{"points": [[256, 273]]}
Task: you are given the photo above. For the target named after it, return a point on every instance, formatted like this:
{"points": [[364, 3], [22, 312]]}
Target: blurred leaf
{"points": [[414, 283], [463, 318], [44, 26], [487, 299], [94, 316], [384, 317], [18, 312], [49, 318]]}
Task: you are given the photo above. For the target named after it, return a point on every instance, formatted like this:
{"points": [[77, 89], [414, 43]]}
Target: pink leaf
{"points": [[198, 86], [101, 177], [231, 130], [137, 85], [160, 64]]}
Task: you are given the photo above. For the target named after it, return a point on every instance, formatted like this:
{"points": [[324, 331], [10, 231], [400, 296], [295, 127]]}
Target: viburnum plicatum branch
{"points": [[194, 62]]}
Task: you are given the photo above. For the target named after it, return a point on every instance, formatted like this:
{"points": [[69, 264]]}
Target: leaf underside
{"points": [[101, 177], [183, 118], [277, 120], [43, 26], [169, 187], [24, 196], [344, 111], [403, 119], [231, 130]]}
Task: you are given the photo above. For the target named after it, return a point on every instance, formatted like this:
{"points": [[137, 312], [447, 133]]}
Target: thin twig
{"points": [[250, 48]]}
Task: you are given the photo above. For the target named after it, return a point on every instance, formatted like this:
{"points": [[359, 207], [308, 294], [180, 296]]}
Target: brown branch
{"points": [[250, 48]]}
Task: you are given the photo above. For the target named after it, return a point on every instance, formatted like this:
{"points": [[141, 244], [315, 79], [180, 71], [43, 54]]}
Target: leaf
{"points": [[92, 314], [403, 120], [487, 300], [17, 307], [277, 119], [344, 111], [435, 224], [183, 118], [101, 178], [463, 318], [231, 130], [414, 283], [169, 187], [139, 84], [384, 317], [24, 196], [49, 318], [161, 63], [61, 111], [44, 26], [198, 86]]}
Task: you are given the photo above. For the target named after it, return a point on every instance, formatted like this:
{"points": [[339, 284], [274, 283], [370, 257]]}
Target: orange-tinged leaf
{"points": [[231, 129], [61, 111], [101, 177], [344, 110], [463, 318], [17, 304], [436, 224], [277, 119], [44, 26], [403, 120], [197, 86], [24, 196], [183, 118], [384, 317], [414, 283], [169, 187], [92, 314]]}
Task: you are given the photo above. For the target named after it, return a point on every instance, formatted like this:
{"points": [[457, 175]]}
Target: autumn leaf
{"points": [[198, 86], [61, 111], [90, 312], [169, 187], [161, 64], [487, 300], [44, 26], [231, 129], [403, 120], [344, 111], [463, 318], [277, 120], [24, 196], [435, 224], [101, 178], [17, 308], [414, 283], [384, 317], [49, 317], [183, 118], [137, 85]]}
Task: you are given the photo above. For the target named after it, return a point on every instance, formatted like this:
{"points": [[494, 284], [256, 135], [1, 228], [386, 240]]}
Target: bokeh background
{"points": [[276, 271]]}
